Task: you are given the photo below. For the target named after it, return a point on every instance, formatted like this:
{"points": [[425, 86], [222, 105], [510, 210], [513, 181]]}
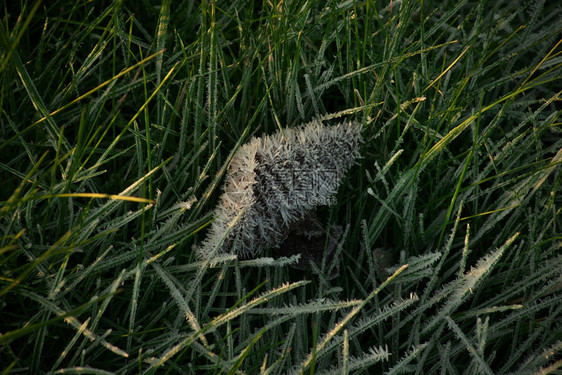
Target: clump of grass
{"points": [[117, 125]]}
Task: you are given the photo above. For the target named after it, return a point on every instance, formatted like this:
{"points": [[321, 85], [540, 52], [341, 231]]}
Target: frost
{"points": [[275, 181]]}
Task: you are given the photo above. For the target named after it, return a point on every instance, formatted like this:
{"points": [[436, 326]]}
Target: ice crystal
{"points": [[275, 182]]}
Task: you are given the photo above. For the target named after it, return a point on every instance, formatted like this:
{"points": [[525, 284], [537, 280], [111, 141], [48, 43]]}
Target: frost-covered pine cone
{"points": [[274, 181]]}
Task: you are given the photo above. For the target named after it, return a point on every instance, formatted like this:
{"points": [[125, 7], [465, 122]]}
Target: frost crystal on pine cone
{"points": [[274, 181]]}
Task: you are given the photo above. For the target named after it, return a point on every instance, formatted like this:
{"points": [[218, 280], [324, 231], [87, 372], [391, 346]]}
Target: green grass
{"points": [[117, 124]]}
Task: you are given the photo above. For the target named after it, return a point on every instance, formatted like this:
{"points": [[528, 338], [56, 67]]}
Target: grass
{"points": [[117, 123]]}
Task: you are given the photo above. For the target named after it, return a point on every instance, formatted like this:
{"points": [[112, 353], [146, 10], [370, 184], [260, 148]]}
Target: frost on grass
{"points": [[275, 182]]}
